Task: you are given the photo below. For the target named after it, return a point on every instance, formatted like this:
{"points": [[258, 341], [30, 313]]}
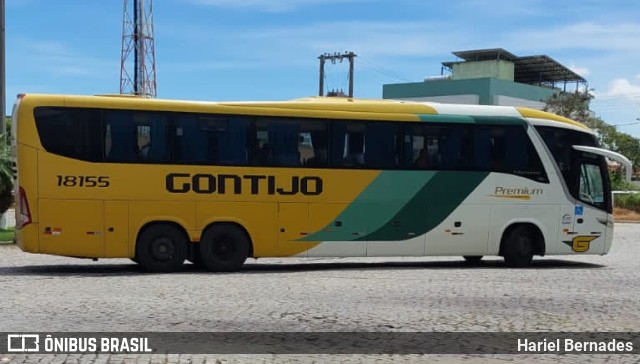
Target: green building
{"points": [[491, 77]]}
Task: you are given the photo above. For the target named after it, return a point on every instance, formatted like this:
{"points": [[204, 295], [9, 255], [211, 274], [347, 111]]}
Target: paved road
{"points": [[587, 293]]}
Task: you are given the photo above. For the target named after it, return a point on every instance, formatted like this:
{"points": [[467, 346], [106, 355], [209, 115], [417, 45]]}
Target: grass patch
{"points": [[7, 234]]}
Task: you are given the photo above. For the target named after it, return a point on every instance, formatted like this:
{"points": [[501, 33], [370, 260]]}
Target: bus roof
{"points": [[311, 104]]}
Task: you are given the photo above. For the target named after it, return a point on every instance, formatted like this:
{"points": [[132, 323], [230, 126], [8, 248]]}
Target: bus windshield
{"points": [[560, 140]]}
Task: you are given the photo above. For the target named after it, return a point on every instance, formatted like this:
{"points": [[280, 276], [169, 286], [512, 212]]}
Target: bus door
{"points": [[116, 232], [590, 186]]}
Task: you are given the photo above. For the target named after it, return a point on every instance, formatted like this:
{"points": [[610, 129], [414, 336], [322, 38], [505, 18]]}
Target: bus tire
{"points": [[224, 248], [519, 247], [472, 259], [161, 248]]}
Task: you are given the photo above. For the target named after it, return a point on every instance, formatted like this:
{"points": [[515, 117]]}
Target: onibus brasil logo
{"points": [[32, 343]]}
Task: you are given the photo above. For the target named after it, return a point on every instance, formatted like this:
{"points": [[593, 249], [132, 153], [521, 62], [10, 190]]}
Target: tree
{"points": [[7, 169], [573, 105], [7, 123], [7, 174]]}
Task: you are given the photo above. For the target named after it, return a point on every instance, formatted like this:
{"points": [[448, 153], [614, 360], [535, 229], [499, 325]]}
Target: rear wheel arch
{"points": [[224, 247], [520, 242], [149, 224], [539, 241], [161, 246], [235, 224]]}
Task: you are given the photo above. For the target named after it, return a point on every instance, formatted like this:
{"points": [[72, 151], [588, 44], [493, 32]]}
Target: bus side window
{"points": [[225, 139], [143, 141], [137, 136], [382, 147], [347, 141], [436, 146], [73, 133], [491, 148], [314, 146], [122, 136], [506, 149], [289, 143], [189, 141], [365, 144]]}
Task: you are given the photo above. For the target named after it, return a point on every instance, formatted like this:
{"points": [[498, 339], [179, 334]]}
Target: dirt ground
{"points": [[621, 214]]}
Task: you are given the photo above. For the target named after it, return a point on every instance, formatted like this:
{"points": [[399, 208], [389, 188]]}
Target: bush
{"points": [[6, 175], [619, 184], [628, 201]]}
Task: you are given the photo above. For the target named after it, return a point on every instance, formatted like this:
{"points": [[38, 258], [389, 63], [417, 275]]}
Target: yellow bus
{"points": [[215, 183]]}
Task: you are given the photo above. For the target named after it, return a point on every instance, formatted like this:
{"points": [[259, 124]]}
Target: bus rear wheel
{"points": [[224, 248], [161, 248], [518, 248]]}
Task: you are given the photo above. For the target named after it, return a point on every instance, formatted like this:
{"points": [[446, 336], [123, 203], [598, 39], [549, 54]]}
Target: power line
{"points": [[368, 65]]}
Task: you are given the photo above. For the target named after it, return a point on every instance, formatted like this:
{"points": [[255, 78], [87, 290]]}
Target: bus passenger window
{"points": [[70, 132], [313, 146], [136, 136], [506, 149], [436, 146], [277, 143], [289, 143], [366, 144], [210, 139], [422, 161], [143, 141]]}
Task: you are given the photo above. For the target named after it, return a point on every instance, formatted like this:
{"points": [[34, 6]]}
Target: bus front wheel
{"points": [[518, 247], [224, 248], [161, 248]]}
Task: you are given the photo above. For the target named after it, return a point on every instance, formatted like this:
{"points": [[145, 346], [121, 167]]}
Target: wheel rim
{"points": [[162, 249], [223, 248]]}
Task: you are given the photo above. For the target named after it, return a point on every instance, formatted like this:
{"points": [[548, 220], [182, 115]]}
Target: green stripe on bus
{"points": [[430, 206], [453, 119], [384, 198], [464, 119]]}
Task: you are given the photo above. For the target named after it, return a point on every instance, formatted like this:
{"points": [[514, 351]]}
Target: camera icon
{"points": [[23, 343]]}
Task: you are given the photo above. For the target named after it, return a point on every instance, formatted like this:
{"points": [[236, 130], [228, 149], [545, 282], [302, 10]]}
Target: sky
{"points": [[223, 50]]}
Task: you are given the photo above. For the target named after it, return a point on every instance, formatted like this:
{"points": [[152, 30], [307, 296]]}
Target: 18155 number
{"points": [[83, 181]]}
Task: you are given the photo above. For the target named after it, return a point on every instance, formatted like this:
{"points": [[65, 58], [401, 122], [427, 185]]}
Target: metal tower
{"points": [[138, 75]]}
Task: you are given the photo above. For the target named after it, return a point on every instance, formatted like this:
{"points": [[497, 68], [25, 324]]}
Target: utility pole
{"points": [[333, 58], [3, 83]]}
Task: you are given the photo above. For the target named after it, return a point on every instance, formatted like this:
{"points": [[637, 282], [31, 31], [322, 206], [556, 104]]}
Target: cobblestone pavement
{"points": [[587, 293]]}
